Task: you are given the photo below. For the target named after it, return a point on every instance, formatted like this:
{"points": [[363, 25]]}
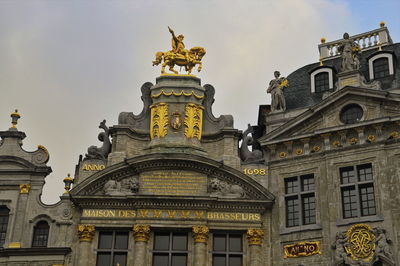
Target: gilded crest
{"points": [[176, 120], [361, 242]]}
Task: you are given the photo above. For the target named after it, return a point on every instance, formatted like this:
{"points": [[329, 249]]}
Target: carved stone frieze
{"points": [[127, 186], [221, 188]]}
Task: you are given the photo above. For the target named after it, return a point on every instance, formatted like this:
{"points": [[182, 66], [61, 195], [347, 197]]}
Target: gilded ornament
{"points": [[157, 213], [193, 120], [361, 242], [86, 232], [185, 214], [299, 151], [14, 118], [200, 233], [177, 94], [158, 120], [302, 249], [255, 236], [171, 214], [180, 56], [43, 148], [141, 232], [371, 138], [176, 120], [336, 144], [394, 134], [24, 188], [316, 148], [282, 154], [353, 141], [323, 40]]}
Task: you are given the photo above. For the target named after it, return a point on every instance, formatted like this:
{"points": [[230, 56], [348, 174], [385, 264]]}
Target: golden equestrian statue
{"points": [[180, 56]]}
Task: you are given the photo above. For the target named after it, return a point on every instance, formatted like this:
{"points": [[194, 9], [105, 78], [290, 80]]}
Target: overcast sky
{"points": [[67, 65]]}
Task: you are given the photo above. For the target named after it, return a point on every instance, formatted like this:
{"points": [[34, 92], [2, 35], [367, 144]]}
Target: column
{"points": [[255, 238], [141, 233], [86, 234], [18, 230], [200, 236]]}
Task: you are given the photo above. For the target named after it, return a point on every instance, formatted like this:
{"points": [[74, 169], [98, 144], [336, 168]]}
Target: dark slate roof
{"points": [[298, 94]]}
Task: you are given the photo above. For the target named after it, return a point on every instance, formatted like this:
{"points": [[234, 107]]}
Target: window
{"points": [[322, 82], [113, 248], [170, 249], [300, 200], [381, 67], [351, 114], [357, 188], [227, 249], [4, 214], [40, 234]]}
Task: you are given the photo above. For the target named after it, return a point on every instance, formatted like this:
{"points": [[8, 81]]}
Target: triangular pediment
{"points": [[167, 180], [325, 116]]}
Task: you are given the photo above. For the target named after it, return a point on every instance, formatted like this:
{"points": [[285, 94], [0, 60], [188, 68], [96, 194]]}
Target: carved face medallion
{"points": [[176, 120]]}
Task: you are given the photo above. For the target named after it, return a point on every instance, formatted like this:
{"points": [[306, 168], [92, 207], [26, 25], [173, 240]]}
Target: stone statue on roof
{"points": [[349, 51], [275, 87]]}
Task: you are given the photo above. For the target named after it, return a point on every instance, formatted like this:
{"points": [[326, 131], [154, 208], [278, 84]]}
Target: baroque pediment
{"points": [[325, 116], [166, 180]]}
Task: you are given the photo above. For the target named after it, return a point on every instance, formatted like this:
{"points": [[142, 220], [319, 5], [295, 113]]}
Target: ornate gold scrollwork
{"points": [[200, 233], [141, 232], [255, 236], [193, 120], [159, 120], [86, 232], [361, 242]]}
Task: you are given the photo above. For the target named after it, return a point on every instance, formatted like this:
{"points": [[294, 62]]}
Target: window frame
{"points": [[34, 235], [318, 71], [170, 252], [5, 225], [371, 60], [300, 195], [357, 185], [227, 253], [112, 250]]}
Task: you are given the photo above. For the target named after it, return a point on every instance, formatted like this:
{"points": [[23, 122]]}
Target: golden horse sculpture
{"points": [[171, 59], [180, 56]]}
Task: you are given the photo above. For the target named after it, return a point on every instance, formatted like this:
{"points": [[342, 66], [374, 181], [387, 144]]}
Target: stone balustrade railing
{"points": [[366, 41]]}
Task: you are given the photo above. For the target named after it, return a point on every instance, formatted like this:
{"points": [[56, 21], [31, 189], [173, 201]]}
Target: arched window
{"points": [[322, 82], [4, 215], [40, 234], [381, 67]]}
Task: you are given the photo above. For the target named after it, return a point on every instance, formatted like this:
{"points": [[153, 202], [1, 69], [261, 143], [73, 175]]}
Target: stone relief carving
{"points": [[382, 245], [127, 186], [221, 188], [101, 153], [246, 155]]}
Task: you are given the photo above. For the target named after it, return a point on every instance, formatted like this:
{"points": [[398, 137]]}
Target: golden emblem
{"points": [[361, 242], [180, 56], [176, 120]]}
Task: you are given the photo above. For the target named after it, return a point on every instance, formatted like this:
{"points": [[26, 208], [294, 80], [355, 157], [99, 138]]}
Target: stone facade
{"points": [[318, 187]]}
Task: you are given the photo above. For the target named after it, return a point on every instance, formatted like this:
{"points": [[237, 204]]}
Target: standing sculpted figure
{"points": [[349, 52], [275, 87], [177, 44]]}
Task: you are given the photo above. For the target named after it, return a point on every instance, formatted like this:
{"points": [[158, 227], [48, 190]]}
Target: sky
{"points": [[66, 64]]}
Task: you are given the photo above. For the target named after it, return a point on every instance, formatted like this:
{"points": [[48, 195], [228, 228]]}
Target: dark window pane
{"points": [[219, 243], [349, 198], [179, 242], [348, 175], [381, 68], [307, 183], [160, 260], [219, 260], [235, 261], [292, 211], [119, 259], [103, 259], [291, 185], [4, 214], [321, 82], [367, 200], [161, 241], [121, 241], [235, 243], [40, 234], [364, 172], [309, 209], [351, 114], [179, 260], [105, 240]]}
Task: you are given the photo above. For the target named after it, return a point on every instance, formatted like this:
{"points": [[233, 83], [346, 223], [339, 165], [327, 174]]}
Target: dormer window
{"points": [[321, 80], [380, 65]]}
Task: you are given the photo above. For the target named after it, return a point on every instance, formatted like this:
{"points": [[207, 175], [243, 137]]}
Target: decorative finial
{"points": [[379, 46], [320, 61], [68, 182], [14, 118], [382, 24], [323, 40], [180, 56]]}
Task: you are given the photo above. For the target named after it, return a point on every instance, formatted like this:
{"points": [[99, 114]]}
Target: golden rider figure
{"points": [[177, 44]]}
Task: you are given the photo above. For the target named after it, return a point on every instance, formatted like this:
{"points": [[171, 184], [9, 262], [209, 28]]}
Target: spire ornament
{"points": [[14, 118]]}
